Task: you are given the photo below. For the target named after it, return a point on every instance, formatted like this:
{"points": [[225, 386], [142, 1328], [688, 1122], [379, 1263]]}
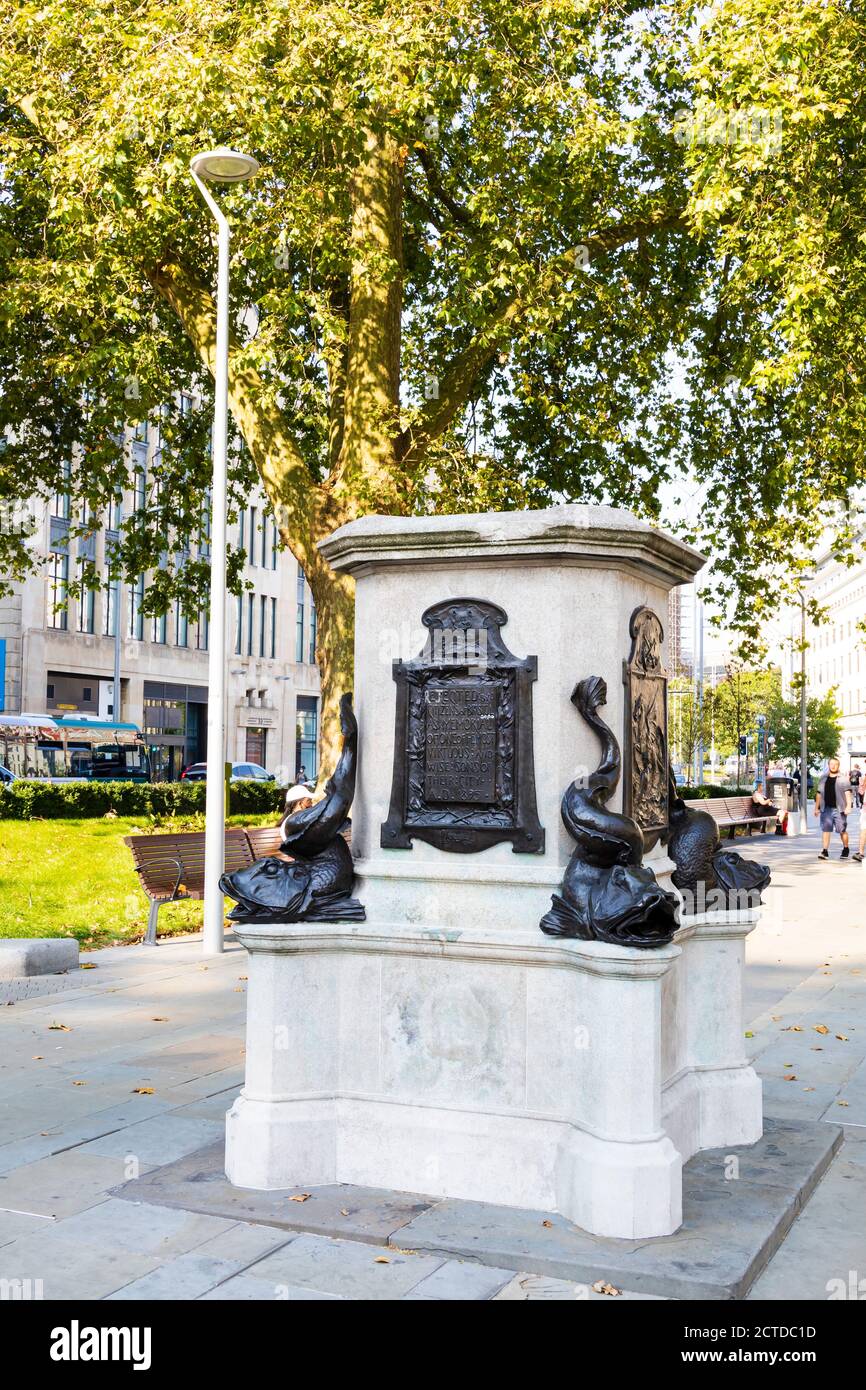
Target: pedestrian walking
{"points": [[854, 778], [833, 806]]}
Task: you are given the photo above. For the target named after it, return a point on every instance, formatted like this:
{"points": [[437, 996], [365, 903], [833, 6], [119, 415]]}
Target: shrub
{"points": [[35, 800], [709, 790]]}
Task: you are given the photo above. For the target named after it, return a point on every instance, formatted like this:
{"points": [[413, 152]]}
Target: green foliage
{"points": [[739, 699], [709, 791], [628, 248], [26, 800], [823, 727]]}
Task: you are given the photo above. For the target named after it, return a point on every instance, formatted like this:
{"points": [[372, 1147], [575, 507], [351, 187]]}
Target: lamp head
{"points": [[223, 165]]}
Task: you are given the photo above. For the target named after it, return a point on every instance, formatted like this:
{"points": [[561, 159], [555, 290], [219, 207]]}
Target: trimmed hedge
{"points": [[36, 800], [709, 791]]}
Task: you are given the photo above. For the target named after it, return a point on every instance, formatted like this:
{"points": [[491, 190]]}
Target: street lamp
{"points": [[220, 165], [804, 756]]}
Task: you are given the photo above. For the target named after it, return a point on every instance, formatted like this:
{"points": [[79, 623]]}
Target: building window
{"points": [[251, 618], [115, 513], [86, 609], [273, 627], [306, 745], [239, 637], [136, 617], [202, 631], [263, 624], [159, 628], [58, 615], [274, 539], [313, 631], [251, 553], [299, 620], [139, 488], [242, 516], [60, 506], [140, 434], [181, 627], [112, 594], [264, 540]]}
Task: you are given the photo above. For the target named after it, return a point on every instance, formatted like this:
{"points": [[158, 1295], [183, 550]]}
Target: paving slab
{"points": [[824, 1255], [251, 1289], [459, 1280], [187, 1277], [351, 1269], [198, 1183], [61, 1185], [732, 1224], [159, 1140], [536, 1288]]}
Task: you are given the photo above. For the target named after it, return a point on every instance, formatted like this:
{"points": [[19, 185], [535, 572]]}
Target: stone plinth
{"points": [[459, 1064], [447, 1046], [569, 579]]}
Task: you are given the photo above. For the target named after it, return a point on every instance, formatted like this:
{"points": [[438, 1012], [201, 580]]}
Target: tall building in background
{"points": [[60, 660], [835, 655]]}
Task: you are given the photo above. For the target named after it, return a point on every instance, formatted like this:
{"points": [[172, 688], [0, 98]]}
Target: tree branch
{"points": [[456, 382], [299, 503]]}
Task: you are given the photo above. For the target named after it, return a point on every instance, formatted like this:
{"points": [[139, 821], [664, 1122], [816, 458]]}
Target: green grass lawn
{"points": [[75, 878]]}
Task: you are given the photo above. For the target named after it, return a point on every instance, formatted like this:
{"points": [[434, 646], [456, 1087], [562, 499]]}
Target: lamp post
{"points": [[804, 773], [218, 166]]}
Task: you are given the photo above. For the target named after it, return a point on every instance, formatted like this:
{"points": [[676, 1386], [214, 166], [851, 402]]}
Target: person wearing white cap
{"points": [[298, 798]]}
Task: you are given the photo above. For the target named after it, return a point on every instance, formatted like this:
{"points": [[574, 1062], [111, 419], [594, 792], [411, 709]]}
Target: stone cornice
{"points": [[601, 537]]}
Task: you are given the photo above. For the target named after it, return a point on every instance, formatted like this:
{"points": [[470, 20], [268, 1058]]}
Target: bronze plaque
{"points": [[645, 783], [463, 765]]}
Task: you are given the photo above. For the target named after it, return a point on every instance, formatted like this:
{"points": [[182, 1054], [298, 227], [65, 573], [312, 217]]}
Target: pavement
{"points": [[134, 1068]]}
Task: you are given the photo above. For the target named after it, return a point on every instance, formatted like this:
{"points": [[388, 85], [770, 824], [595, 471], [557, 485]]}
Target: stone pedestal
{"points": [[461, 1064], [447, 1046]]}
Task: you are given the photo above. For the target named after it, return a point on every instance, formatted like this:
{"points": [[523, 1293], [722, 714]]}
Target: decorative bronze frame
{"points": [[465, 651], [645, 793]]}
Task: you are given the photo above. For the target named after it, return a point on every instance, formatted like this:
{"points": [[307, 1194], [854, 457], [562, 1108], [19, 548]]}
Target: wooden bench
{"points": [[171, 867], [730, 811]]}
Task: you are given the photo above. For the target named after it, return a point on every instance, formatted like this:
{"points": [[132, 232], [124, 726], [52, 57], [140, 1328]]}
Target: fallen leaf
{"points": [[399, 1250], [548, 1224], [808, 1088], [841, 1037], [789, 1077], [600, 1286], [37, 1058], [79, 1083], [776, 1017], [749, 1035], [792, 1028], [821, 1028], [842, 1102], [142, 1091], [344, 1211], [58, 1028], [381, 1260], [301, 1197], [816, 1049], [159, 1020], [243, 977], [87, 965]]}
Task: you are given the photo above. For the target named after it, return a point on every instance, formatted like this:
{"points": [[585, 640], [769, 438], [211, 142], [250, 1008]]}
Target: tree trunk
{"points": [[334, 597]]}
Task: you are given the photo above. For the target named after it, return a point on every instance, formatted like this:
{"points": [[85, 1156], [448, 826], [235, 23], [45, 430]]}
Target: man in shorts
{"points": [[833, 805]]}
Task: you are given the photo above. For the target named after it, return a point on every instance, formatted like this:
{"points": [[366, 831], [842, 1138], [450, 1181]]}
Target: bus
{"points": [[72, 749]]}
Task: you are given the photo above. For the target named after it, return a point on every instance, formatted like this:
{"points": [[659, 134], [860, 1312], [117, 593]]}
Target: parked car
{"points": [[196, 772], [241, 772], [6, 776], [251, 772]]}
